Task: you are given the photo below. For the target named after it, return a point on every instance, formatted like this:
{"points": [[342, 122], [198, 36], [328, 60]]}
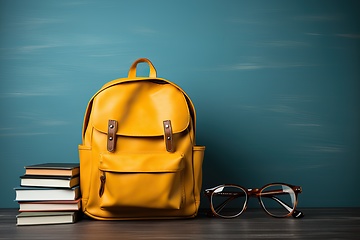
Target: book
{"points": [[49, 181], [46, 194], [54, 169], [36, 218], [43, 206]]}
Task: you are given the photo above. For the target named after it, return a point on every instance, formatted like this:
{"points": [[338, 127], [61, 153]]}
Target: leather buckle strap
{"points": [[168, 136], [112, 129]]}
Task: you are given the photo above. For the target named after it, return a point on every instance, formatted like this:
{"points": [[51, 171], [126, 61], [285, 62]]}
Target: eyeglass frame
{"points": [[257, 192]]}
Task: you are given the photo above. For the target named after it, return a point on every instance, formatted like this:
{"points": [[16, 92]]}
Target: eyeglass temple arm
{"points": [[232, 197], [295, 214], [223, 204]]}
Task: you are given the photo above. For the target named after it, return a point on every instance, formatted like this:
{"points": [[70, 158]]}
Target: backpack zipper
{"points": [[102, 183]]}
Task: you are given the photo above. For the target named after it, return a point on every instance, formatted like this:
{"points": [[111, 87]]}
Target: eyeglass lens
{"points": [[278, 200], [228, 201]]}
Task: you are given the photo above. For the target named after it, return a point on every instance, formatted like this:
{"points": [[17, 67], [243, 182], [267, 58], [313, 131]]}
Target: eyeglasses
{"points": [[277, 199]]}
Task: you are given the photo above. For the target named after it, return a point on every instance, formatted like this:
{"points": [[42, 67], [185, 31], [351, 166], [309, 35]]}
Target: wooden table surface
{"points": [[326, 223]]}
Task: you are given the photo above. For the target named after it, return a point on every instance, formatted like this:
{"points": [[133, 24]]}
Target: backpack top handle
{"points": [[132, 71]]}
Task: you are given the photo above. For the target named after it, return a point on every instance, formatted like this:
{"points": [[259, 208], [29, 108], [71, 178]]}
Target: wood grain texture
{"points": [[326, 223]]}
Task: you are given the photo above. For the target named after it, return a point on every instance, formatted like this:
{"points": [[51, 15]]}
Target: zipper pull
{"points": [[102, 183]]}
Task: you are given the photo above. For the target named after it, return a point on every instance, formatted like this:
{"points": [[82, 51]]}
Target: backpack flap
{"points": [[140, 108]]}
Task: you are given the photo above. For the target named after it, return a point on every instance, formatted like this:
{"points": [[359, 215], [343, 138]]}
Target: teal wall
{"points": [[275, 84]]}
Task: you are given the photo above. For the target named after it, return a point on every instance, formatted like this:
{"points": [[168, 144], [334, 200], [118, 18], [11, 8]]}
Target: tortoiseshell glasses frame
{"points": [[277, 199]]}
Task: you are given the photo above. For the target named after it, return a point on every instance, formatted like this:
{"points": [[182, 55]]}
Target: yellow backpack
{"points": [[138, 158]]}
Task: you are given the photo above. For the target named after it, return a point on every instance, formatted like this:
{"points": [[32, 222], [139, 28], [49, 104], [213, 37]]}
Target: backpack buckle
{"points": [[168, 136], [111, 140]]}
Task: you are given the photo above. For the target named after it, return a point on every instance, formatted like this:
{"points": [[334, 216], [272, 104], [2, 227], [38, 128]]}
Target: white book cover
{"points": [[36, 218], [46, 194]]}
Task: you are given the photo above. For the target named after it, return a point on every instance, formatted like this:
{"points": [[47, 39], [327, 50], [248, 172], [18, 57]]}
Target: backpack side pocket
{"points": [[85, 173], [198, 156]]}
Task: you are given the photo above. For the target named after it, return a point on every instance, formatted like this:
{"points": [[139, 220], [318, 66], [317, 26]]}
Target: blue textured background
{"points": [[275, 84]]}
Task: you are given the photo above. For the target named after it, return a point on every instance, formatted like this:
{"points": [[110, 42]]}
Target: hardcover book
{"points": [[36, 218], [55, 169], [50, 181], [46, 194], [42, 206]]}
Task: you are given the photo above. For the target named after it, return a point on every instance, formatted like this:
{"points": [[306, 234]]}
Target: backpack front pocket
{"points": [[141, 181]]}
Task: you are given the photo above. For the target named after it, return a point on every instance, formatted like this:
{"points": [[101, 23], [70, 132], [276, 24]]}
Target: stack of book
{"points": [[49, 194]]}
